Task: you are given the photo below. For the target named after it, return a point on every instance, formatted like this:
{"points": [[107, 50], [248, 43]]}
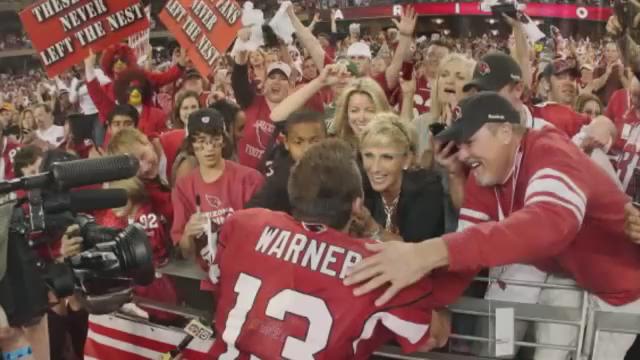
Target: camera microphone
{"points": [[79, 201], [70, 174]]}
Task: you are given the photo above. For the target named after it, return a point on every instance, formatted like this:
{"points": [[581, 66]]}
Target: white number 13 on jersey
{"points": [[286, 301]]}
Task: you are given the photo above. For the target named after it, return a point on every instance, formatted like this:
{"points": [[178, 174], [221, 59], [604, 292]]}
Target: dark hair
{"points": [[24, 157], [124, 110], [324, 184], [227, 148], [52, 156], [304, 117], [176, 123], [229, 112]]}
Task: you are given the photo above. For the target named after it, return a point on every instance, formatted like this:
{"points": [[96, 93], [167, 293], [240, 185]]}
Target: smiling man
{"points": [[532, 198]]}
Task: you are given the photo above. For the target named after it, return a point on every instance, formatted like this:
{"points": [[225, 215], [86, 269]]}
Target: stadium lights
{"points": [[438, 21], [491, 21]]}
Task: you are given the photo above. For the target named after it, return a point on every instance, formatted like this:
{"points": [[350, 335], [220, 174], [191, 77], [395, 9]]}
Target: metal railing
{"points": [[602, 321]]}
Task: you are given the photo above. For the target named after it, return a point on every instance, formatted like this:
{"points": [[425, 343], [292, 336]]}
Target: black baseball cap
{"points": [[559, 66], [475, 111], [493, 72], [208, 121]]}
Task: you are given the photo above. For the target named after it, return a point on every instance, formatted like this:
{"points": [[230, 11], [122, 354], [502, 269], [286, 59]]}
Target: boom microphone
{"points": [[69, 174], [86, 200]]}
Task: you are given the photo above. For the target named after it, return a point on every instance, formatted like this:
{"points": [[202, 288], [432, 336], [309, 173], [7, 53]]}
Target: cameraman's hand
{"points": [[71, 241]]}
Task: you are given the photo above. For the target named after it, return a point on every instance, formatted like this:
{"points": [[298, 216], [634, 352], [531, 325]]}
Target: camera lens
{"points": [[136, 255]]}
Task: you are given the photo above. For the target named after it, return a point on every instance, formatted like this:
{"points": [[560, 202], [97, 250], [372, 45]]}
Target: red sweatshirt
{"points": [[563, 215]]}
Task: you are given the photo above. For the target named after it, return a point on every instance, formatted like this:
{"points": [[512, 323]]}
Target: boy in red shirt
{"points": [[214, 190]]}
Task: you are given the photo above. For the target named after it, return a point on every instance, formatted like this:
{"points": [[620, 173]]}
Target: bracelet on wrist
{"points": [[17, 354]]}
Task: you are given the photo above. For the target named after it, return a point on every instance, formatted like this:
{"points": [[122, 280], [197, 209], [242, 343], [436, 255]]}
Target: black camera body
{"points": [[112, 260]]}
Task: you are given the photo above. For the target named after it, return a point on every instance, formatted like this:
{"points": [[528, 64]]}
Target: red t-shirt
{"points": [[618, 112], [9, 150], [171, 142], [561, 116], [162, 288], [285, 299], [259, 129], [153, 223]]}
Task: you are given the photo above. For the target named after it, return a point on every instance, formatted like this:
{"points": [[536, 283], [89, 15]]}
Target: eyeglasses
{"points": [[202, 143]]}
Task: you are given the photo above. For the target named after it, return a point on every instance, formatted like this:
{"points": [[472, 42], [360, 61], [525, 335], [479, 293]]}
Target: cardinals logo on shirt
{"points": [[483, 68], [264, 131], [213, 201]]}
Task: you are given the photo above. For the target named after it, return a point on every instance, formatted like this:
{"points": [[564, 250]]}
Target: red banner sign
{"points": [[206, 28], [63, 31], [542, 10]]}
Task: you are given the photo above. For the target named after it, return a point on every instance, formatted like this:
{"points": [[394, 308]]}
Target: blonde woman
{"points": [[357, 105], [454, 72], [401, 201]]}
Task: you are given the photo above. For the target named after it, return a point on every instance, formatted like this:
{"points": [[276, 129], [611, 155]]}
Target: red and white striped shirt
{"points": [[559, 212]]}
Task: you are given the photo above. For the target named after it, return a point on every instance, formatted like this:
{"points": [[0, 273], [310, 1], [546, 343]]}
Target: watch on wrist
{"points": [[17, 354]]}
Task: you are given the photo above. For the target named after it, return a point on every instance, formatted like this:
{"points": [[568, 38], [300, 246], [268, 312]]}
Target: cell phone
{"points": [[507, 9], [81, 128], [407, 71]]}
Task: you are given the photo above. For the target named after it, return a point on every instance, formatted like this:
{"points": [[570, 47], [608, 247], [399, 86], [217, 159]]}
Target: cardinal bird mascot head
{"points": [[132, 87], [117, 58]]}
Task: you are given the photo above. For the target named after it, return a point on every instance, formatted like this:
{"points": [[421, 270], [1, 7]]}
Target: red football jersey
{"points": [[9, 150], [422, 98], [281, 294], [558, 211], [561, 116]]}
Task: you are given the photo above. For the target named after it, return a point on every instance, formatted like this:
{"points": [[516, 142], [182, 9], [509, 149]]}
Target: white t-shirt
{"points": [[54, 135]]}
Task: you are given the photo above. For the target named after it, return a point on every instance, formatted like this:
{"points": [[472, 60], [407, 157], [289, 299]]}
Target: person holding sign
{"points": [[132, 87], [120, 57]]}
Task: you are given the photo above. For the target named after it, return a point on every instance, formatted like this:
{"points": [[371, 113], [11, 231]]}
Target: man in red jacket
{"points": [[532, 198]]}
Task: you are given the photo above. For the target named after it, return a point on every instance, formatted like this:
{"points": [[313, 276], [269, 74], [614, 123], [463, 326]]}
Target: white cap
{"points": [[359, 49], [279, 65], [354, 28]]}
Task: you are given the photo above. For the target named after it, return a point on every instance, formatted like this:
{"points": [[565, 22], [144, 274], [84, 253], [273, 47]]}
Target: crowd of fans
{"points": [[210, 147]]}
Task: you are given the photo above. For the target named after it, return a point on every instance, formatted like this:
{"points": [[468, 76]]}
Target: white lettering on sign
{"points": [[126, 17], [229, 10], [397, 10], [175, 9], [50, 8], [57, 51], [339, 15], [191, 28], [90, 34], [206, 50], [83, 14], [204, 13]]}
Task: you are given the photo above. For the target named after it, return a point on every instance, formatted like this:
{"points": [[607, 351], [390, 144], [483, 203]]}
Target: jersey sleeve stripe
{"points": [[552, 173], [549, 199], [557, 188], [474, 214], [464, 224], [411, 331]]}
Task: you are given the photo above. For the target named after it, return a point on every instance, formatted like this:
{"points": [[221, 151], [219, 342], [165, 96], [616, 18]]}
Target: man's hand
{"points": [[90, 60], [330, 75], [196, 226], [396, 264], [613, 26], [446, 157], [407, 24], [408, 86], [182, 58], [440, 330], [242, 57], [71, 241], [632, 222]]}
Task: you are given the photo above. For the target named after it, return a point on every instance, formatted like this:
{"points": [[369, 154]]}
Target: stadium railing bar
{"points": [[578, 317]]}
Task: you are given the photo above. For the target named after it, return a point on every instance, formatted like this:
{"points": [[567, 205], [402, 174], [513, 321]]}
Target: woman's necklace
{"points": [[390, 210]]}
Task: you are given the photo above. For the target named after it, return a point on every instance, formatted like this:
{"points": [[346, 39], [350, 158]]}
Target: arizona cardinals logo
{"points": [[483, 68], [457, 113], [213, 201]]}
